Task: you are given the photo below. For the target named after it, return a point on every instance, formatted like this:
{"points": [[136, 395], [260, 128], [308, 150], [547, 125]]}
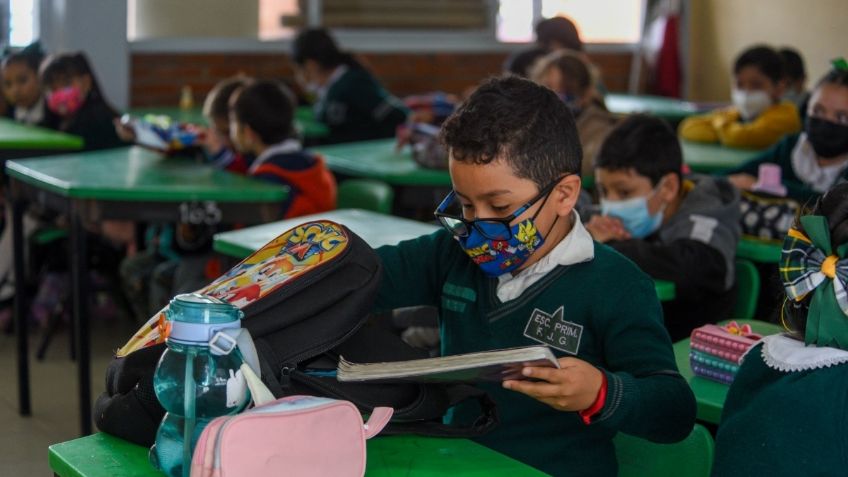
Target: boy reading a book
{"points": [[515, 267]]}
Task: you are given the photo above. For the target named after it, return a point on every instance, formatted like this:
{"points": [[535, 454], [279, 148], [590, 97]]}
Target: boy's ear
{"points": [[670, 187], [780, 88], [566, 193]]}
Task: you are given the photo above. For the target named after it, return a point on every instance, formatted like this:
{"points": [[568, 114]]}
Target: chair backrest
{"points": [[366, 194], [691, 457], [747, 289]]}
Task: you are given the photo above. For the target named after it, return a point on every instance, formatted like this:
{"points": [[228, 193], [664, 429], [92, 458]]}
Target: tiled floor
{"points": [[24, 441]]}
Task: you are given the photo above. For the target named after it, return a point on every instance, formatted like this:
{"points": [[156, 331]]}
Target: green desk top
{"points": [[665, 290], [101, 455], [667, 108], [375, 228], [710, 395], [304, 118], [137, 174], [757, 251], [710, 158], [14, 135], [379, 160]]}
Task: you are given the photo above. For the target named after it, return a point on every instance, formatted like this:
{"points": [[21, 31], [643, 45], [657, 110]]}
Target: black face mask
{"points": [[827, 138]]}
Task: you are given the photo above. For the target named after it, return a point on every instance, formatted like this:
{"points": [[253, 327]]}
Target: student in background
{"points": [[349, 100], [681, 230], [22, 88], [522, 62], [262, 124], [512, 261], [73, 93], [796, 79], [758, 117], [568, 75], [816, 159], [216, 138], [785, 411]]}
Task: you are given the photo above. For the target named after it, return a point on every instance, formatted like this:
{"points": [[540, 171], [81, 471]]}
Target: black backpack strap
{"points": [[458, 393]]}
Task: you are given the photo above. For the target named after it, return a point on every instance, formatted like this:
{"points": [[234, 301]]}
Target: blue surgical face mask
{"points": [[571, 102], [634, 215]]}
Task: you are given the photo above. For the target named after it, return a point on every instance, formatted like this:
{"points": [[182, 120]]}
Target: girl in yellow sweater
{"points": [[758, 117]]}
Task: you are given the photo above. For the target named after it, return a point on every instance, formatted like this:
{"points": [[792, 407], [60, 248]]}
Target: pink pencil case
{"points": [[296, 435], [716, 351]]}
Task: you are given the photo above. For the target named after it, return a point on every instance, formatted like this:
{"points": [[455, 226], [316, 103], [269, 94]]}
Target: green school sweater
{"points": [[604, 311], [783, 423], [357, 108]]}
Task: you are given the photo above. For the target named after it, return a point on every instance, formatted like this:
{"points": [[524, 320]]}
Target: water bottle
{"points": [[197, 378]]}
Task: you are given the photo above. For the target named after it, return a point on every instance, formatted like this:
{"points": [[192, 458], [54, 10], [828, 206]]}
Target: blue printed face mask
{"points": [[634, 215], [495, 245]]}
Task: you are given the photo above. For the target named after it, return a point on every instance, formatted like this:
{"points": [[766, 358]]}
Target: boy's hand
{"points": [[573, 387], [124, 131], [742, 181], [211, 140], [604, 228]]}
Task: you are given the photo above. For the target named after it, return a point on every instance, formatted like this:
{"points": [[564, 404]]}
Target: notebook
{"points": [[497, 365]]}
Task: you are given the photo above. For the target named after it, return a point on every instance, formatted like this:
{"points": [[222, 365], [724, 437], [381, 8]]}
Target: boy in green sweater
{"points": [[515, 267]]}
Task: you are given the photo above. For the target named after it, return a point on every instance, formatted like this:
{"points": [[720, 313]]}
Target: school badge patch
{"points": [[552, 329]]}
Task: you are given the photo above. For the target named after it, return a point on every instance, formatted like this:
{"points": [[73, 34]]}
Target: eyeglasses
{"points": [[495, 228]]}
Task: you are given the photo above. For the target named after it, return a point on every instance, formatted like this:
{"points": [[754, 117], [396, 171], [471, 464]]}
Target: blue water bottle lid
{"points": [[196, 318]]}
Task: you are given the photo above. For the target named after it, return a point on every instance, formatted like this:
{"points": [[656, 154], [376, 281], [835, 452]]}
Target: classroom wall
{"points": [[156, 78], [192, 18], [720, 29]]}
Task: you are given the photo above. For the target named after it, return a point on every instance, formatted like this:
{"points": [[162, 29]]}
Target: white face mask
{"points": [[750, 103]]}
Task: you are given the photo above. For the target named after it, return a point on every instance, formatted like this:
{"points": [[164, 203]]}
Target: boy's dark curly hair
{"points": [[516, 120]]}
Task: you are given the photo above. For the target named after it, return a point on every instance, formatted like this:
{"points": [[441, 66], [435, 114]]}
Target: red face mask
{"points": [[65, 101]]}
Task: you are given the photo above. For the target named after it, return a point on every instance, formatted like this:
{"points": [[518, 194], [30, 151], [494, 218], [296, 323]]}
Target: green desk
{"points": [[304, 118], [121, 184], [379, 160], [18, 140], [673, 110], [710, 158], [710, 395], [375, 228], [757, 251], [665, 290], [102, 455]]}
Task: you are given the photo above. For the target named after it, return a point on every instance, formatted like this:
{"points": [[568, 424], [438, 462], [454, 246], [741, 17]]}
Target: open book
{"points": [[497, 365]]}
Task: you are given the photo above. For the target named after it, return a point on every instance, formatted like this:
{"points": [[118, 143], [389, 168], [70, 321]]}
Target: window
{"points": [[22, 22], [279, 18], [276, 18], [516, 19]]}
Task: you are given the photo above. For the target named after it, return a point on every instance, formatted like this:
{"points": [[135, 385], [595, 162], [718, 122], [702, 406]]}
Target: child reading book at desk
{"points": [[515, 267]]}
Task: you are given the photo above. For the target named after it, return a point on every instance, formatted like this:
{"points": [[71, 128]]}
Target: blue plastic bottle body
{"points": [[194, 385]]}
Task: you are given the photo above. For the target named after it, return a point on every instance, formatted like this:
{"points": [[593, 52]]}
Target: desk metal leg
{"points": [[21, 331], [79, 280]]}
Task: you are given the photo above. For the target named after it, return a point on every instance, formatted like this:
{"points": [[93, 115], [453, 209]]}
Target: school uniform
{"points": [[727, 127], [355, 107], [582, 299], [312, 188], [37, 115], [94, 123], [803, 177], [696, 250], [785, 413]]}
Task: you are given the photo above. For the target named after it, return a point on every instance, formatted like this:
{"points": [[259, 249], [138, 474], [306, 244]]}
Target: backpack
{"points": [[306, 298], [766, 217]]}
